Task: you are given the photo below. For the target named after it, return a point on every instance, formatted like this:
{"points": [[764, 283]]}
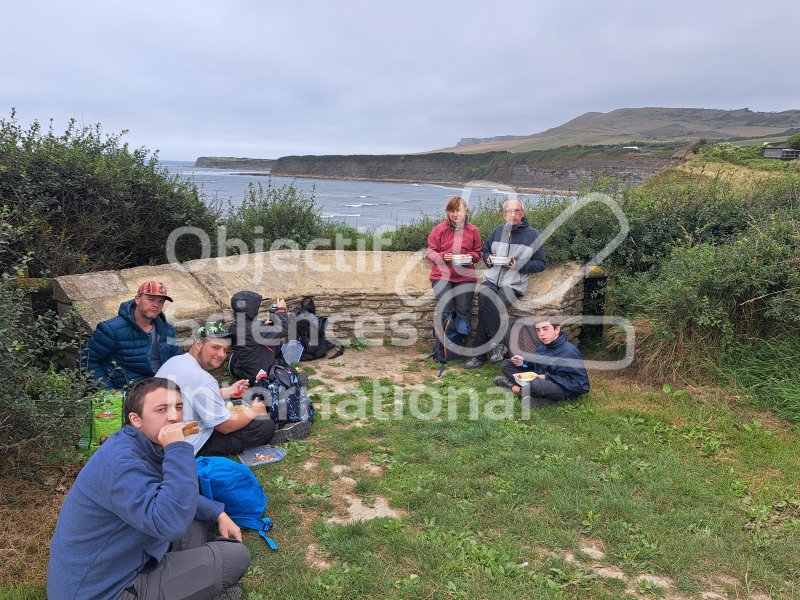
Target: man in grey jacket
{"points": [[512, 251]]}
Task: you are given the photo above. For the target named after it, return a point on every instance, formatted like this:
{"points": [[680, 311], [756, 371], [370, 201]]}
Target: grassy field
{"points": [[680, 489], [629, 491]]}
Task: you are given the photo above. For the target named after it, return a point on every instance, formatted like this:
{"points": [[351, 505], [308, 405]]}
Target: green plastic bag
{"points": [[106, 418]]}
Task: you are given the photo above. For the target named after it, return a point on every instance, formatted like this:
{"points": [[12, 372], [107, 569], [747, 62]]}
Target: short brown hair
{"points": [[135, 398], [455, 203]]}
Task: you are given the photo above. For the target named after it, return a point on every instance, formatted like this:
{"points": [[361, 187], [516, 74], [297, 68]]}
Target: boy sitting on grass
{"points": [[558, 365]]}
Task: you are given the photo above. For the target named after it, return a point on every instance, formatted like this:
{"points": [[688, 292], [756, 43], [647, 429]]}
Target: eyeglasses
{"points": [[513, 210]]}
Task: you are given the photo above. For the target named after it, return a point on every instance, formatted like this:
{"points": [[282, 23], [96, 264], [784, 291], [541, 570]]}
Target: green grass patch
{"points": [[664, 482]]}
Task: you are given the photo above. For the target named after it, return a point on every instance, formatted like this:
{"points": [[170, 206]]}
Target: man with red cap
{"points": [[134, 344]]}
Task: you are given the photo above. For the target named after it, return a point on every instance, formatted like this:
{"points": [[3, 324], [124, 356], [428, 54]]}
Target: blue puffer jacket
{"points": [[571, 376], [121, 341]]}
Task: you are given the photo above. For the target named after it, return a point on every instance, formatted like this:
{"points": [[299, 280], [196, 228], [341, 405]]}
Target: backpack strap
{"points": [[261, 525]]}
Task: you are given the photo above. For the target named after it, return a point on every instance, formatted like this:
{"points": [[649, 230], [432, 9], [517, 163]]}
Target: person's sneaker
{"points": [[291, 431], [473, 363], [233, 592], [498, 353], [503, 381]]}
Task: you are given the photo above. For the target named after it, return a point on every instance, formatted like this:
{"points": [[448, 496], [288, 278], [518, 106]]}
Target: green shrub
{"points": [[42, 404], [83, 201], [274, 213]]}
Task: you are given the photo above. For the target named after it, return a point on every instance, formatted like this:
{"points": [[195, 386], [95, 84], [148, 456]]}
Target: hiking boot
{"points": [[503, 381], [498, 353], [474, 363], [291, 431], [233, 592]]}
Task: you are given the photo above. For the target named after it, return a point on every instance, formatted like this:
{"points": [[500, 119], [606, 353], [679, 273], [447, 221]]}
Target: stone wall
{"points": [[374, 296]]}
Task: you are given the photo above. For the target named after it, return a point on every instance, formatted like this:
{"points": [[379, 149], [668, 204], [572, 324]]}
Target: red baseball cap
{"points": [[154, 288]]}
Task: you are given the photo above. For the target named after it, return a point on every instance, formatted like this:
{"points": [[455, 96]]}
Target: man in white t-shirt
{"points": [[222, 432]]}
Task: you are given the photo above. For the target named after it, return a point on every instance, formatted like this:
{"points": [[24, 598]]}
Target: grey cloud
{"points": [[269, 79]]}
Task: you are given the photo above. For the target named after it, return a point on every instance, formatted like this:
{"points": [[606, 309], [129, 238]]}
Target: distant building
{"points": [[780, 150]]}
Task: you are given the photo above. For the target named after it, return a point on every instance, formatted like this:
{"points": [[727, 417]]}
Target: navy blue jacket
{"points": [[522, 243], [572, 378], [121, 341]]}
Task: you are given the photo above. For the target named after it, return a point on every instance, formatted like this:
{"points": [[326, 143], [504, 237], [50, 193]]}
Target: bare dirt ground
{"points": [[401, 365]]}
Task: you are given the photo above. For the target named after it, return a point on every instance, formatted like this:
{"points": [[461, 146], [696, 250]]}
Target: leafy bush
{"points": [[794, 141], [82, 201], [707, 264], [42, 404], [274, 213]]}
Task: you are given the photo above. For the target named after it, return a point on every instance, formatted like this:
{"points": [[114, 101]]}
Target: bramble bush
{"points": [[42, 403], [84, 201]]}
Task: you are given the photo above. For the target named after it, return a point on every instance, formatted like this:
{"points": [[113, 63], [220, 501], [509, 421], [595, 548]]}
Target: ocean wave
{"points": [[366, 204], [336, 215]]}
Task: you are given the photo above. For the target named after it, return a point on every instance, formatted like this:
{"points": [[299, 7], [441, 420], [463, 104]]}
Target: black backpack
{"points": [[311, 331], [287, 399]]}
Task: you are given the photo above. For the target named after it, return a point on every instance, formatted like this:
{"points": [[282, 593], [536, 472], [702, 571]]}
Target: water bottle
{"points": [[273, 308]]}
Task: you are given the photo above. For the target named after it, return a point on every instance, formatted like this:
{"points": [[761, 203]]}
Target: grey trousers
{"points": [[538, 388], [461, 301], [194, 568]]}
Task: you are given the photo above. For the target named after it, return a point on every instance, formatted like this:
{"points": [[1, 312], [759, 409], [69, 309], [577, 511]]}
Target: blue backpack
{"points": [[235, 485]]}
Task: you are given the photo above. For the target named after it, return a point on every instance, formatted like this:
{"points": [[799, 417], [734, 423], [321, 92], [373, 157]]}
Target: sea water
{"points": [[368, 205]]}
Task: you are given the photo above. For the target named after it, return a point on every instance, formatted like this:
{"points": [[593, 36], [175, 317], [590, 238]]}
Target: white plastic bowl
{"points": [[462, 259], [524, 378], [501, 261]]}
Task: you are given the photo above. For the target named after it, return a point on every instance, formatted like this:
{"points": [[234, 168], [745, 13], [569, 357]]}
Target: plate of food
{"points": [[525, 378], [501, 261], [261, 455], [462, 259]]}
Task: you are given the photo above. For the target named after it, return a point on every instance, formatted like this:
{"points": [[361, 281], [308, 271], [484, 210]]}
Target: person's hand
{"points": [[171, 433], [517, 360], [489, 260], [513, 263], [280, 302], [240, 387], [448, 257], [258, 406], [227, 528]]}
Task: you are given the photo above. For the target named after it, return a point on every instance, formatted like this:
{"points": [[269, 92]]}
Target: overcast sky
{"points": [[267, 79]]}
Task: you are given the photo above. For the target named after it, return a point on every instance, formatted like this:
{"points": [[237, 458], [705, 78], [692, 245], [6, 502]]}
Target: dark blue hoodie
{"points": [[571, 377]]}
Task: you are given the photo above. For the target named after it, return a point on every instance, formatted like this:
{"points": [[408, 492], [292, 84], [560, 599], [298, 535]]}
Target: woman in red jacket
{"points": [[454, 246]]}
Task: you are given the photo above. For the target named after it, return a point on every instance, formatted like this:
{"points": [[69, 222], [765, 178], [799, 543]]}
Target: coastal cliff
{"points": [[533, 170], [238, 164]]}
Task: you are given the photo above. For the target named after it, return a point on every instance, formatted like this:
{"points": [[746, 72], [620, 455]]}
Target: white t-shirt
{"points": [[202, 401]]}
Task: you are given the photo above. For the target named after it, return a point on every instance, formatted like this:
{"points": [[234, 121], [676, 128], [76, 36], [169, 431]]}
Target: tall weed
{"points": [[766, 371]]}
